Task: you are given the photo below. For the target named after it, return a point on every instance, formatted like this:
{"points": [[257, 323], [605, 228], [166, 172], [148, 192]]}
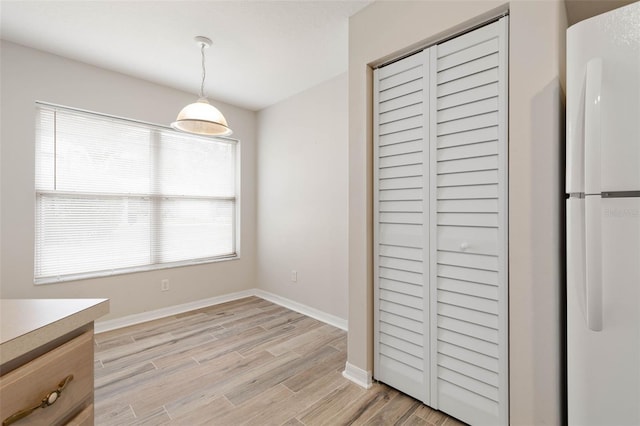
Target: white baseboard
{"points": [[358, 376], [303, 309], [126, 321]]}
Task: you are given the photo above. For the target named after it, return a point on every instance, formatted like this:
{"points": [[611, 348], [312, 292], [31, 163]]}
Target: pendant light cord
{"points": [[204, 71]]}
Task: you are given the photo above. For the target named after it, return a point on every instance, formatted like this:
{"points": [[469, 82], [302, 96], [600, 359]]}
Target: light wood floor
{"points": [[243, 362]]}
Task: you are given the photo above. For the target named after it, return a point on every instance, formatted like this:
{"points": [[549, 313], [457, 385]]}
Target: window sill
{"points": [[132, 270]]}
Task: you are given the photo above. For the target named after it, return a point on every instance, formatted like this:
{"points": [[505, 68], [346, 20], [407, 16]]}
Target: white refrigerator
{"points": [[603, 219]]}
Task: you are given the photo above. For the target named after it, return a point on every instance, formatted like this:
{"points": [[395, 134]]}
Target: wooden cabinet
{"points": [[27, 386], [46, 354], [84, 418]]}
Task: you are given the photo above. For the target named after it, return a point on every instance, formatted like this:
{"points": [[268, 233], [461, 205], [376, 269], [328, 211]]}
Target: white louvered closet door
{"points": [[440, 225], [401, 226], [469, 224]]}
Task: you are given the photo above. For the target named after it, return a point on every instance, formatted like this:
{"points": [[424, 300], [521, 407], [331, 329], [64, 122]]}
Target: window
{"points": [[115, 196]]}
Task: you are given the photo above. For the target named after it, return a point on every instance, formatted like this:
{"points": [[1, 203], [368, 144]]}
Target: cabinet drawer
{"points": [[26, 386], [84, 418]]}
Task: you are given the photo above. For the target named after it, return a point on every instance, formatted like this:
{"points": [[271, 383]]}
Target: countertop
{"points": [[26, 324]]}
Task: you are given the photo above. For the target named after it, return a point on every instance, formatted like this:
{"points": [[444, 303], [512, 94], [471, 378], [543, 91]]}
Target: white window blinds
{"points": [[115, 196]]}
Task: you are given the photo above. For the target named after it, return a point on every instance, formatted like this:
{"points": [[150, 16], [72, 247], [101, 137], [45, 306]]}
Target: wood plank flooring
{"points": [[246, 362]]}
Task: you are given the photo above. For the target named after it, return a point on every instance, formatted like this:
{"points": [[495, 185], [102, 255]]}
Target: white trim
{"points": [[503, 224], [131, 270], [126, 321], [376, 224], [303, 309], [357, 375]]}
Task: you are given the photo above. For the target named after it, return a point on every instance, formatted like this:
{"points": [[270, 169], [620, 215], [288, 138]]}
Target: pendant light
{"points": [[202, 118]]}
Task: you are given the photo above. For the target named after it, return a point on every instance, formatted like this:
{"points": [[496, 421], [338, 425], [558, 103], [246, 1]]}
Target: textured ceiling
{"points": [[579, 10], [263, 51]]}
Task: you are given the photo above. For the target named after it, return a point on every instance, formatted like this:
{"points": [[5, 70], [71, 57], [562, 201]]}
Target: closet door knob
{"points": [[464, 246]]}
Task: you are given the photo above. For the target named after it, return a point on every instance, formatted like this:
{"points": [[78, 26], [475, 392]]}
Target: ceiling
{"points": [[262, 52], [579, 10]]}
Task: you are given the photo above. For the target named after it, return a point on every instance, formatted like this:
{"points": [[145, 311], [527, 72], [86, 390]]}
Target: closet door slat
{"points": [[469, 178], [470, 356], [461, 110], [468, 192], [464, 341], [401, 160], [469, 137], [400, 287], [400, 90], [400, 252], [403, 101], [411, 182], [465, 165], [402, 77], [473, 206], [468, 301], [410, 110], [487, 263], [473, 66], [401, 264], [400, 137], [487, 291], [402, 276], [472, 95], [469, 40], [400, 321], [401, 194], [397, 67], [470, 122], [480, 149], [478, 331], [401, 206], [400, 148], [402, 333], [471, 81]]}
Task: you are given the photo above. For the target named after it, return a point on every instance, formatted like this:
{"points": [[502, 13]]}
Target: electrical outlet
{"points": [[164, 285], [294, 276]]}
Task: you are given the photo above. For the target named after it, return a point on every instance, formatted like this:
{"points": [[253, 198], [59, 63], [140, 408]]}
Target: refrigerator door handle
{"points": [[592, 126], [593, 262], [576, 264]]}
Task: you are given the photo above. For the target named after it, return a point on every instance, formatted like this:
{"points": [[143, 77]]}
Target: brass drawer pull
{"points": [[48, 400]]}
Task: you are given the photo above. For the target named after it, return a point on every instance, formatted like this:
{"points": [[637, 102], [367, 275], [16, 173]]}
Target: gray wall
{"points": [[28, 75], [302, 197], [385, 30]]}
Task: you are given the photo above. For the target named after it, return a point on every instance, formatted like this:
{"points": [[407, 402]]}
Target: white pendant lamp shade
{"points": [[202, 118]]}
